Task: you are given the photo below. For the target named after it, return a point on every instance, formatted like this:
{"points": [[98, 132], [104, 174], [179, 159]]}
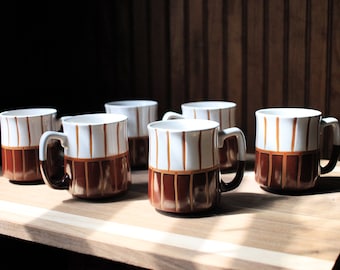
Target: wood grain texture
{"points": [[250, 228]]}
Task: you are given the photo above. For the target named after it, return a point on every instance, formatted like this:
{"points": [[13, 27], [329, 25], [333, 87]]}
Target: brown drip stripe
{"points": [[176, 192], [200, 149], [17, 127], [137, 120], [105, 140], [307, 134], [169, 147], [156, 136], [91, 141], [294, 134], [118, 139], [183, 151], [265, 132], [278, 134], [8, 134], [87, 185], [77, 140]]}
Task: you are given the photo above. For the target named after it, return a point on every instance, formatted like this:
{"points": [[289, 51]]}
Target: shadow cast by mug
{"points": [[325, 184], [136, 191], [231, 204], [27, 183]]}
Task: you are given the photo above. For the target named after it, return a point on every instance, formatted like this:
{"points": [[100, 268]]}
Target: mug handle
{"points": [[335, 154], [172, 115], [58, 182], [241, 142]]}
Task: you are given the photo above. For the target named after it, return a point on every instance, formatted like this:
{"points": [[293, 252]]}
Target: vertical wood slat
{"points": [[318, 49], [234, 60], [140, 49], [214, 35], [254, 65], [159, 52], [196, 68], [177, 55], [255, 53], [274, 71], [296, 52]]}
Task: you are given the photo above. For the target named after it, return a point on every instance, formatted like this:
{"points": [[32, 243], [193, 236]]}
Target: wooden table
{"points": [[252, 228]]}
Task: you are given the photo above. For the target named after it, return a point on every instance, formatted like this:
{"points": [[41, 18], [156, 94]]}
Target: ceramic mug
{"points": [[184, 172], [222, 112], [288, 147], [140, 113], [96, 155], [20, 134]]}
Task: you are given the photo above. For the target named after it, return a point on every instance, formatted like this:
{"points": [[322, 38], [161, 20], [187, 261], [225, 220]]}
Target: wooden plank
{"points": [[214, 32], [177, 55]]}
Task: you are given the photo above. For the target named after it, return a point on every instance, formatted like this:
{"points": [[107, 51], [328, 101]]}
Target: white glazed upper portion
{"points": [[139, 112], [23, 127], [222, 112], [183, 144], [95, 135], [287, 129]]}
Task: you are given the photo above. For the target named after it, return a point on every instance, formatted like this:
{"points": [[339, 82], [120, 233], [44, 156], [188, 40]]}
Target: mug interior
{"points": [[94, 118], [28, 112], [289, 112], [209, 104], [132, 103], [184, 124]]}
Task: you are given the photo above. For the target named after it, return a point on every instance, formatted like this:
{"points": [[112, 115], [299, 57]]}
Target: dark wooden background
{"points": [[257, 53]]}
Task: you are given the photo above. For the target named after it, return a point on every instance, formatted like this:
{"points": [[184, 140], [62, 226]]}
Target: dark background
{"points": [[60, 54]]}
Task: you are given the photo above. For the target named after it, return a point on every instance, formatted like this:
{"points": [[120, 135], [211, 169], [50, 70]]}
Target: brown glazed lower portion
{"points": [[177, 192], [139, 149], [99, 178], [228, 155], [287, 171], [22, 164]]}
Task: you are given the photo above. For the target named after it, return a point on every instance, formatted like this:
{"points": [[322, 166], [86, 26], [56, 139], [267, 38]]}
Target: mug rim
{"points": [[131, 103], [94, 119], [183, 125], [288, 112], [28, 112], [210, 104]]}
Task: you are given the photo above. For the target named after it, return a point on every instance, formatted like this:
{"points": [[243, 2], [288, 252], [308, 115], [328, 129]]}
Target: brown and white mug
{"points": [[287, 147], [96, 155], [20, 134], [184, 172], [220, 111], [140, 113]]}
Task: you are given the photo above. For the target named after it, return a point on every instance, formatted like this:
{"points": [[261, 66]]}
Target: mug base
{"points": [[27, 182], [190, 214], [305, 191]]}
